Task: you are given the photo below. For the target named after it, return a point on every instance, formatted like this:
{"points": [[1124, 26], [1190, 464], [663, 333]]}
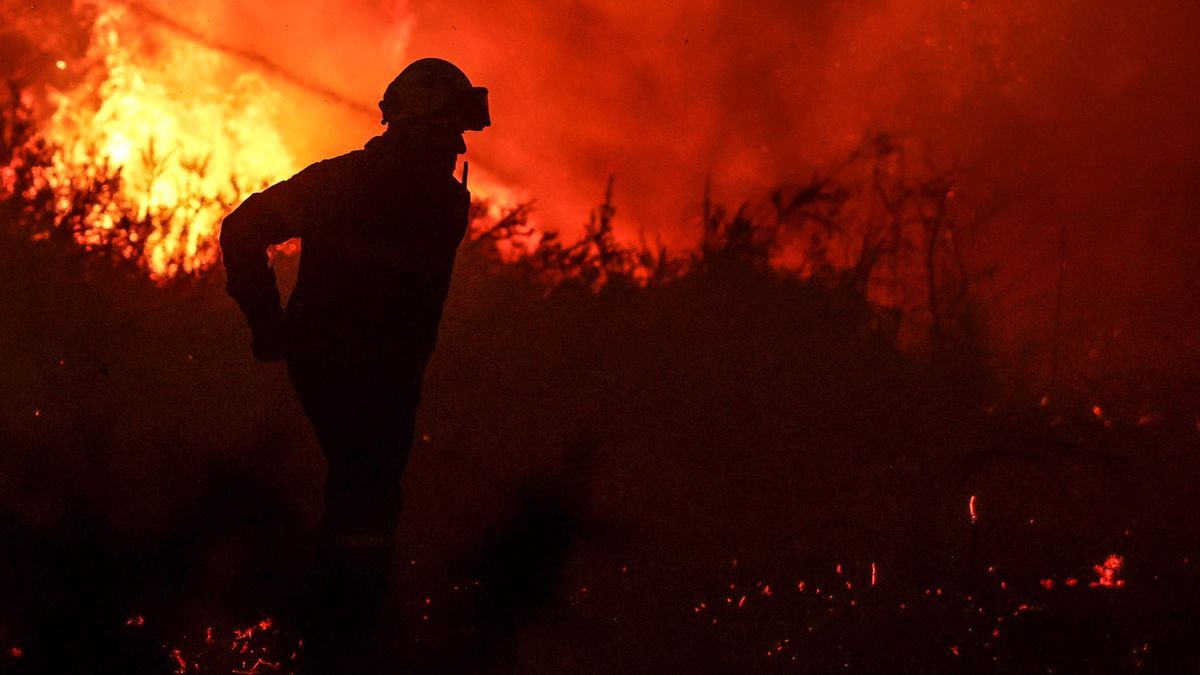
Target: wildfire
{"points": [[161, 135], [165, 132], [187, 132]]}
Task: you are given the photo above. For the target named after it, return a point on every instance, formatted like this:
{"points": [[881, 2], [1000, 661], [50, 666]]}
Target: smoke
{"points": [[1055, 114]]}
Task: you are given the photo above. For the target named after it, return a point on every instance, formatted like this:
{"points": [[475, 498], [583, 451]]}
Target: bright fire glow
{"points": [[191, 136]]}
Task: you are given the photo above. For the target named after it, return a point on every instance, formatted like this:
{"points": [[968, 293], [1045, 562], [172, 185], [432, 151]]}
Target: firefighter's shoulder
{"points": [[333, 171]]}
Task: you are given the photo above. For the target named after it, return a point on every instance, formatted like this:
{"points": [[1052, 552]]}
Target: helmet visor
{"points": [[472, 109]]}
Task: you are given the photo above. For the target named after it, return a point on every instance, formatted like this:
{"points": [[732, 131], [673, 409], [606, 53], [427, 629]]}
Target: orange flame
{"points": [[186, 130], [190, 136]]}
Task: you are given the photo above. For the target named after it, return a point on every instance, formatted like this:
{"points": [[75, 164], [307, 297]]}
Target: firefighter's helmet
{"points": [[435, 90]]}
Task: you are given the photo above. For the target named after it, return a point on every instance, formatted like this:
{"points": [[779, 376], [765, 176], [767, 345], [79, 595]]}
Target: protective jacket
{"points": [[378, 241]]}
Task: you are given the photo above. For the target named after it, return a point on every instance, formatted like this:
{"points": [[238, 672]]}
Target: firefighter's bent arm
{"points": [[263, 220]]}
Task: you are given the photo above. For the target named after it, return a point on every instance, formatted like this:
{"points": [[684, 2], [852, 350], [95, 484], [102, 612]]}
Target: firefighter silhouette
{"points": [[379, 229]]}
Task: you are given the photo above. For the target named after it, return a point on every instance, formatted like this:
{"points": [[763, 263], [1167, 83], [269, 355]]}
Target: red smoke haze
{"points": [[1058, 112]]}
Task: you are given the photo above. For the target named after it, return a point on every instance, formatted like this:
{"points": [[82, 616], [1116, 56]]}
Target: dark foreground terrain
{"points": [[730, 473]]}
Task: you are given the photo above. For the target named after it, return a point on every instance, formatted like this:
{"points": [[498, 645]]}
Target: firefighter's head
{"points": [[431, 103]]}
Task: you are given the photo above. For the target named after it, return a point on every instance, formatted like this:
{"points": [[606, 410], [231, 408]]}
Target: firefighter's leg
{"points": [[364, 423]]}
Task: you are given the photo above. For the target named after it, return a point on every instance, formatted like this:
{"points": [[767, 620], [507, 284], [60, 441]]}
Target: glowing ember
{"points": [[258, 648], [971, 510], [257, 665], [1108, 571]]}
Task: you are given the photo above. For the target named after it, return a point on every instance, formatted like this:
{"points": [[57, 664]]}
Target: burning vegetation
{"points": [[149, 136], [137, 164], [152, 143], [786, 447]]}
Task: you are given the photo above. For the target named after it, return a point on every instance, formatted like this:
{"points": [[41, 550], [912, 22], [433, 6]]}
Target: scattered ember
{"points": [[252, 650], [16, 652], [1107, 572], [255, 668]]}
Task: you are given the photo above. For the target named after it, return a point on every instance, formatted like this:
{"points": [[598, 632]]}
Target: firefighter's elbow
{"points": [[230, 232], [237, 232]]}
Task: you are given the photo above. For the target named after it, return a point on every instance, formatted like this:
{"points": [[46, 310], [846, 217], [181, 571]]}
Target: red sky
{"points": [[1060, 111]]}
